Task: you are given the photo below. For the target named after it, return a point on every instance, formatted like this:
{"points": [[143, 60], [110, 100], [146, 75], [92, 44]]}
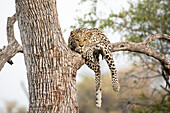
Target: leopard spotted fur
{"points": [[96, 43]]}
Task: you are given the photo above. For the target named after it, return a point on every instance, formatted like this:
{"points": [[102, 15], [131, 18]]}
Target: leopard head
{"points": [[79, 39]]}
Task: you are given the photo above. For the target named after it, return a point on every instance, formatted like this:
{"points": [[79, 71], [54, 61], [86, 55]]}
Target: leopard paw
{"points": [[116, 86]]}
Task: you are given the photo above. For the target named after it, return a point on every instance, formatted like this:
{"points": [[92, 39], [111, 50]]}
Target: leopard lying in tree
{"points": [[91, 43]]}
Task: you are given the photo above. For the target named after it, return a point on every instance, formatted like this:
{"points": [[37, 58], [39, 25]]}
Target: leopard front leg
{"points": [[109, 59], [96, 68], [92, 61]]}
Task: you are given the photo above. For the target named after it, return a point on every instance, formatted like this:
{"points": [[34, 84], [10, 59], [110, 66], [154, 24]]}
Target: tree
{"points": [[51, 77], [51, 65]]}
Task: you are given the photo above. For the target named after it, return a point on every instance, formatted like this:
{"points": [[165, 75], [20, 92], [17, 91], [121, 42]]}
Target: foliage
{"points": [[141, 19], [113, 102], [156, 108], [12, 107], [86, 94]]}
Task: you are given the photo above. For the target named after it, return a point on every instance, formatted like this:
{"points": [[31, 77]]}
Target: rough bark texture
{"points": [[49, 63]]}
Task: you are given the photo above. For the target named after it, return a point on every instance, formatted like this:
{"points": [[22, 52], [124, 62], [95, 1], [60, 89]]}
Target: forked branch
{"points": [[144, 48], [13, 46]]}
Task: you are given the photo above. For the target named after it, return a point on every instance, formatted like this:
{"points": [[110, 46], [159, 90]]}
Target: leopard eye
{"points": [[77, 39], [72, 35]]}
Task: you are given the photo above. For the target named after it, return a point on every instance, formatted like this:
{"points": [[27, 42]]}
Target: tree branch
{"points": [[147, 77], [13, 46], [144, 48]]}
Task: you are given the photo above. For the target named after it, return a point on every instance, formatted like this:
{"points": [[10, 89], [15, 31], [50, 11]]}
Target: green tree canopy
{"points": [[143, 18]]}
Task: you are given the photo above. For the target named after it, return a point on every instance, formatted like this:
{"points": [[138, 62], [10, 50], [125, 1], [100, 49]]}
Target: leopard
{"points": [[91, 43]]}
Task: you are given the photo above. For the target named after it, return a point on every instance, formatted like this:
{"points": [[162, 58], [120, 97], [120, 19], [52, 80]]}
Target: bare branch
{"points": [[168, 91], [13, 46], [147, 77], [144, 48], [157, 36], [24, 89], [10, 28]]}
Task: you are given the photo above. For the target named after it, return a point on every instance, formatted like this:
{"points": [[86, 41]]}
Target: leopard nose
{"points": [[81, 45]]}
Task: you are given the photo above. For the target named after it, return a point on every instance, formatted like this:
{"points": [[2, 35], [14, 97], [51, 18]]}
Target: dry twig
{"points": [[13, 46]]}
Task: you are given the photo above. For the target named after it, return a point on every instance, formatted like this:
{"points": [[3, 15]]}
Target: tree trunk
{"points": [[51, 67]]}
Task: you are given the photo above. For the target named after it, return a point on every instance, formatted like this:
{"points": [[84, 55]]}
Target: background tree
{"points": [[12, 107], [143, 18]]}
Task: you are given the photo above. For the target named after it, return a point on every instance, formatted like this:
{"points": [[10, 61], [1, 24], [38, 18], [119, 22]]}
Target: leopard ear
{"points": [[71, 33], [89, 34]]}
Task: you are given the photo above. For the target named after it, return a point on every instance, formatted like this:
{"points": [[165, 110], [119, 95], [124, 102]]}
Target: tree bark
{"points": [[51, 66]]}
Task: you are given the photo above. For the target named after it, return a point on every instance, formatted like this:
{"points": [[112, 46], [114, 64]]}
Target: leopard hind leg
{"points": [[109, 59]]}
